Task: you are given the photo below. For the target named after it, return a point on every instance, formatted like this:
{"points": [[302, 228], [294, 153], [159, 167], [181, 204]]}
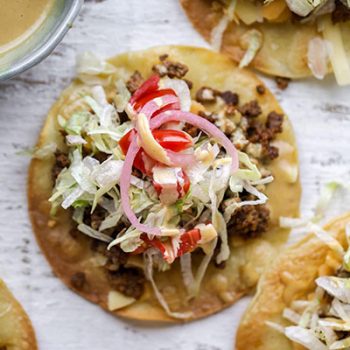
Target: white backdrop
{"points": [[320, 113]]}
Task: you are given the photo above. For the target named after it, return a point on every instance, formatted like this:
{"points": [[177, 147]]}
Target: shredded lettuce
{"points": [[123, 96], [45, 151], [186, 271], [304, 7], [337, 53], [92, 69], [317, 57], [326, 197], [253, 40], [94, 233], [304, 337], [148, 257], [217, 187], [202, 268], [336, 286], [319, 320], [140, 200], [181, 89], [218, 31]]}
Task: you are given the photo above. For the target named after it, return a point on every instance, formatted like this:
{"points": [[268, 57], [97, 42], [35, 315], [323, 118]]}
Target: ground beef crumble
{"points": [[170, 68], [251, 109], [101, 156], [78, 280], [230, 98], [341, 272], [206, 94], [123, 117], [341, 13], [134, 82], [249, 221], [189, 83], [61, 161], [282, 82], [115, 257], [128, 281], [260, 89], [257, 132], [94, 219], [274, 122]]}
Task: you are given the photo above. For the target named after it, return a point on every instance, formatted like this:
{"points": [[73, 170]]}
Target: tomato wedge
{"points": [[124, 144], [148, 86], [189, 242], [182, 188], [151, 96], [174, 140], [185, 187]]}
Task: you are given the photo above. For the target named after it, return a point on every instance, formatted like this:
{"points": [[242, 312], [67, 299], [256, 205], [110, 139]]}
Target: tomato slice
{"points": [[186, 185], [149, 85], [125, 141], [189, 241], [155, 243], [174, 140], [124, 144], [157, 187], [151, 96]]}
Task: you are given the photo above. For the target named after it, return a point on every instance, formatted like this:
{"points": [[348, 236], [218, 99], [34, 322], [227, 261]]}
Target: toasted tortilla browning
{"points": [[16, 331], [73, 260], [285, 45], [291, 277]]}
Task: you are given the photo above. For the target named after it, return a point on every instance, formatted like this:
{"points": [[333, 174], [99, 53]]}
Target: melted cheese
{"points": [[148, 142]]}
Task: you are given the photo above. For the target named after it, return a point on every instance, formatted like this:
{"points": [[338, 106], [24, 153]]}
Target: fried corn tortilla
{"points": [[291, 277], [16, 331], [284, 49], [72, 258]]}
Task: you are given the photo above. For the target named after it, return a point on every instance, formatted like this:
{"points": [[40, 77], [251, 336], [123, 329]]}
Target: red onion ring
{"points": [[202, 124], [125, 180], [182, 160], [152, 106]]}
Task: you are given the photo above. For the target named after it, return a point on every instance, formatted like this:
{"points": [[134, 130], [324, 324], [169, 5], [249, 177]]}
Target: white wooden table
{"points": [[320, 113]]}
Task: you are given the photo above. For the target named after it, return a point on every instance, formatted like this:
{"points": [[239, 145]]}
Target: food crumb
{"points": [[134, 82], [260, 89], [51, 224], [282, 83], [78, 280]]}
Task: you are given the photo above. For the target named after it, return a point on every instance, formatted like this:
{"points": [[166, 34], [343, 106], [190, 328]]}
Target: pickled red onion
{"points": [[202, 124], [125, 180], [157, 104], [182, 160]]}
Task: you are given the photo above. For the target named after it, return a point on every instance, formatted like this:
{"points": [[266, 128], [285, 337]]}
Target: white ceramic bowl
{"points": [[42, 42]]}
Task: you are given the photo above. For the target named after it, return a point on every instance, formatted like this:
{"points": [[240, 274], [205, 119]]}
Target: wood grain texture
{"points": [[320, 113]]}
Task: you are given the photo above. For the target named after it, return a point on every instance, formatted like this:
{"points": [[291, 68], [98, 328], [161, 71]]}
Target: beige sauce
{"points": [[19, 19]]}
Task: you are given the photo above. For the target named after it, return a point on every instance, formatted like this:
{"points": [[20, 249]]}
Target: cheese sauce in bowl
{"points": [[30, 30]]}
